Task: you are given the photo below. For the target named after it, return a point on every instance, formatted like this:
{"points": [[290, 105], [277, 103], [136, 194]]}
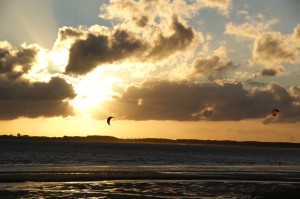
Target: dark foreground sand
{"points": [[143, 189], [145, 184]]}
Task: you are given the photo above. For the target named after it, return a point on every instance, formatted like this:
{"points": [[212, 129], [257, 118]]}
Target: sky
{"points": [[194, 69]]}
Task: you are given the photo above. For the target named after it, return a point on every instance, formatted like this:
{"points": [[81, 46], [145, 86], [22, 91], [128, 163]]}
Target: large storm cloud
{"points": [[185, 101]]}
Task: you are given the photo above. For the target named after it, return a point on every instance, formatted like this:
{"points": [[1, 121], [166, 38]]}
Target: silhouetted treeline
{"points": [[216, 142], [90, 138], [98, 138]]}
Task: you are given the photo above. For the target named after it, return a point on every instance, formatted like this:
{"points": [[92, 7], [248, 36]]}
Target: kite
{"points": [[275, 111], [108, 120]]}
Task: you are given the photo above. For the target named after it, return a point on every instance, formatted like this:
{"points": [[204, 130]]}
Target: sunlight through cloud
{"points": [[92, 90]]}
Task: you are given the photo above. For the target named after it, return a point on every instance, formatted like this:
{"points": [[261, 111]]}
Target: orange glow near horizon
{"points": [[250, 130]]}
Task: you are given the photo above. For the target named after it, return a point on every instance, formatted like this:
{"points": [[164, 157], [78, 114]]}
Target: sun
{"points": [[92, 90]]}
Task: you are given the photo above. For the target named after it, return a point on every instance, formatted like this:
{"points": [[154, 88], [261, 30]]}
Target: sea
{"points": [[65, 169]]}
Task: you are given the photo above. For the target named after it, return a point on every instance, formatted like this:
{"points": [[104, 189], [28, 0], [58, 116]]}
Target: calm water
{"points": [[221, 171], [33, 153]]}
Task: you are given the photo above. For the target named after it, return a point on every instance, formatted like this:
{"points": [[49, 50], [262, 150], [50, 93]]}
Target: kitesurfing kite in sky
{"points": [[108, 120], [275, 111]]}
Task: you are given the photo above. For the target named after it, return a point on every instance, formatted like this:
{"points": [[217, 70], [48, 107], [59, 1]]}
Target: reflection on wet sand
{"points": [[140, 189]]}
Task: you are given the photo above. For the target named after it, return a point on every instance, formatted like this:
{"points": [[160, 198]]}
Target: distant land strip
{"points": [[99, 138]]}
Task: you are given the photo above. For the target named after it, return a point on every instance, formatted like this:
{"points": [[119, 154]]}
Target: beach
{"points": [[148, 182], [140, 189], [48, 169]]}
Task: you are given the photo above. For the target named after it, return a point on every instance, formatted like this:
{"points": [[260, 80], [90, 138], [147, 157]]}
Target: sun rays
{"points": [[38, 26], [92, 90]]}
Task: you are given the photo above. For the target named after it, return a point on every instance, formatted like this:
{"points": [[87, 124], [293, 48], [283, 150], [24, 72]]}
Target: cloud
{"points": [[270, 71], [223, 5], [271, 49], [295, 91], [252, 82], [287, 104], [186, 101], [214, 64], [20, 98], [149, 10], [65, 33], [254, 27], [137, 13], [266, 72], [95, 50], [296, 33], [146, 31], [180, 38], [25, 97], [213, 67], [141, 21], [121, 45], [17, 61]]}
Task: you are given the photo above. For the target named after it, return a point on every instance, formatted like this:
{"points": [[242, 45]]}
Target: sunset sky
{"points": [[203, 69]]}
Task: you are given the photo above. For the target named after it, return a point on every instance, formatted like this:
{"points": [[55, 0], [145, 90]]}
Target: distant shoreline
{"points": [[99, 138]]}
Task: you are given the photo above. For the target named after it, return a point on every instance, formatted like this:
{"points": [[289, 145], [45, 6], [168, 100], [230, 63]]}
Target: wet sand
{"points": [[115, 183], [141, 189], [63, 176]]}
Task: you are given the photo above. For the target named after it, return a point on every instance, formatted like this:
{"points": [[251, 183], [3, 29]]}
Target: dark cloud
{"points": [[55, 89], [22, 57], [14, 109], [269, 72], [179, 40], [3, 52], [69, 32], [86, 54], [20, 98], [184, 101], [141, 21], [214, 67]]}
